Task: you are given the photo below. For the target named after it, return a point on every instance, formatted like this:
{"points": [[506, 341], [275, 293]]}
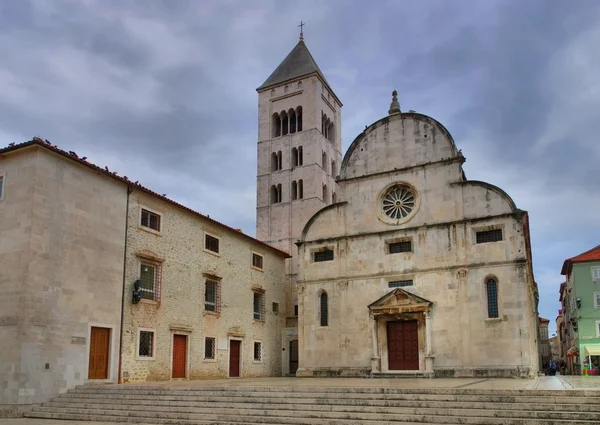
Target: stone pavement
{"points": [[541, 383]]}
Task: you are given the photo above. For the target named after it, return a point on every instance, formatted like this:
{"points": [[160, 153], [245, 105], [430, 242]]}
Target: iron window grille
{"points": [[486, 236], [211, 243], [259, 306], [324, 309], [397, 247], [257, 351], [276, 308], [492, 298], [150, 280], [323, 256], [150, 220], [257, 261], [212, 296], [400, 283], [209, 348], [146, 347]]}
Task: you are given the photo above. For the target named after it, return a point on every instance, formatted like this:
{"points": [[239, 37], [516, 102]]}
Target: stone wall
{"points": [[179, 248]]}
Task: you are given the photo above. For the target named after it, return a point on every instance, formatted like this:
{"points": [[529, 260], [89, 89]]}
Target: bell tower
{"points": [[299, 154]]}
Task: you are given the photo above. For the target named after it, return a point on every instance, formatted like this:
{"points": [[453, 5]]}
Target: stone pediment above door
{"points": [[399, 301]]}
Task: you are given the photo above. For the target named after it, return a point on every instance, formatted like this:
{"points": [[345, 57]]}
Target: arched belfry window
{"points": [[276, 126], [284, 123], [274, 162], [324, 161], [300, 189], [325, 194], [491, 287], [333, 171], [279, 160], [324, 310], [299, 155], [294, 190], [279, 195], [331, 132], [274, 195], [294, 157], [299, 118], [292, 115]]}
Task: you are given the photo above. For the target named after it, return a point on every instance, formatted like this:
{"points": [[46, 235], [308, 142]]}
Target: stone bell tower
{"points": [[299, 156]]}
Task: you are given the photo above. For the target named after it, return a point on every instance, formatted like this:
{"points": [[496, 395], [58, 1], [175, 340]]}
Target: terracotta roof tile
{"points": [[590, 255], [82, 160]]}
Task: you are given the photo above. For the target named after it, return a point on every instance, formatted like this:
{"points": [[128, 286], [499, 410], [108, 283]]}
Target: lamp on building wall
{"points": [[578, 300]]}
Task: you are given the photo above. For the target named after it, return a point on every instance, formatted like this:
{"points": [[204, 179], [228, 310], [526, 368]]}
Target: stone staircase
{"points": [[223, 405]]}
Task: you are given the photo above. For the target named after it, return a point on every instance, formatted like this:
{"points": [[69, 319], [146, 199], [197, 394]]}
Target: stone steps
{"points": [[331, 406]]}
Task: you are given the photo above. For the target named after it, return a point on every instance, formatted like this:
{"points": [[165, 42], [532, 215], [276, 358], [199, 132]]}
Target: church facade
{"points": [[409, 268]]}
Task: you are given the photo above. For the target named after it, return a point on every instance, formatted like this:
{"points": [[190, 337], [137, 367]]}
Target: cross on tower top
{"points": [[301, 30]]}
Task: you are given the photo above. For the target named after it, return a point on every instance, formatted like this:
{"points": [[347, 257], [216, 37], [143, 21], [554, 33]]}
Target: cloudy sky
{"points": [[164, 92]]}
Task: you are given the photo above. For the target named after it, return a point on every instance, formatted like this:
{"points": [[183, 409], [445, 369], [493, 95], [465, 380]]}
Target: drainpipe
{"points": [[129, 190]]}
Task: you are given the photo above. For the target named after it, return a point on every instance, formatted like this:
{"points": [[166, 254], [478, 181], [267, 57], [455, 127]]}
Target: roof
{"points": [[591, 255], [544, 320], [298, 63], [82, 160]]}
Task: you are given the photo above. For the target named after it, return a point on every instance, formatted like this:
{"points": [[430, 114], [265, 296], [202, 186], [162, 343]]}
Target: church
{"points": [[385, 261], [400, 265]]}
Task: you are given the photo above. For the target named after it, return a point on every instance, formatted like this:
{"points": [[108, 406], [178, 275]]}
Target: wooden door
{"points": [[99, 349], [403, 345], [234, 358], [293, 356], [179, 355]]}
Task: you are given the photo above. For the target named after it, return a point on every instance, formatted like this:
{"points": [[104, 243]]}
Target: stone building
{"points": [[299, 154], [211, 299], [62, 239], [544, 344], [77, 237]]}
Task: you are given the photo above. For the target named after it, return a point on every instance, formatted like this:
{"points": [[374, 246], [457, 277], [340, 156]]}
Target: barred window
{"points": [[211, 243], [276, 308], [492, 298], [257, 261], [146, 344], [209, 348], [150, 220], [397, 247], [257, 351], [400, 283], [259, 306], [324, 309], [212, 296], [150, 279], [489, 236], [324, 256]]}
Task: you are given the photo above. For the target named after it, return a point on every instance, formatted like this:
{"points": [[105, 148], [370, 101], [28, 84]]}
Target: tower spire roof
{"points": [[298, 63], [395, 105]]}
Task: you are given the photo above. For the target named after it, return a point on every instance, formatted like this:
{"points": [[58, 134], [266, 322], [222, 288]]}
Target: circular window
{"points": [[398, 203]]}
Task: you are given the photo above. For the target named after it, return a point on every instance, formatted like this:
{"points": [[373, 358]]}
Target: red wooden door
{"points": [[403, 345], [99, 346], [179, 355], [234, 358]]}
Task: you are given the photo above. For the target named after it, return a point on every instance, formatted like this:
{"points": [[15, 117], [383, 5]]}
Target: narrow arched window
{"points": [[274, 162], [300, 189], [276, 130], [324, 310], [331, 132], [491, 287], [324, 161], [333, 168], [299, 118], [284, 123], [279, 195], [292, 115], [299, 155], [274, 194], [325, 193], [294, 190], [294, 157], [279, 161]]}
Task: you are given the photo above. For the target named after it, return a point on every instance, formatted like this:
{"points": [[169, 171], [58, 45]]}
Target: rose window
{"points": [[398, 202]]}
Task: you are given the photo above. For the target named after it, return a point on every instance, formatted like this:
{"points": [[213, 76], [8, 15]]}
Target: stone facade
{"points": [[62, 231], [457, 242], [178, 249]]}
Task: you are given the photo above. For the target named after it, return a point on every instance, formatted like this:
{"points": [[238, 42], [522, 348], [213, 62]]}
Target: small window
{"points": [[257, 261], [146, 346], [150, 220], [150, 278], [324, 256], [397, 247], [492, 298], [257, 351], [211, 243], [597, 299], [324, 309], [595, 270], [212, 298], [259, 306], [489, 236], [296, 310], [276, 308], [400, 283], [209, 348]]}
